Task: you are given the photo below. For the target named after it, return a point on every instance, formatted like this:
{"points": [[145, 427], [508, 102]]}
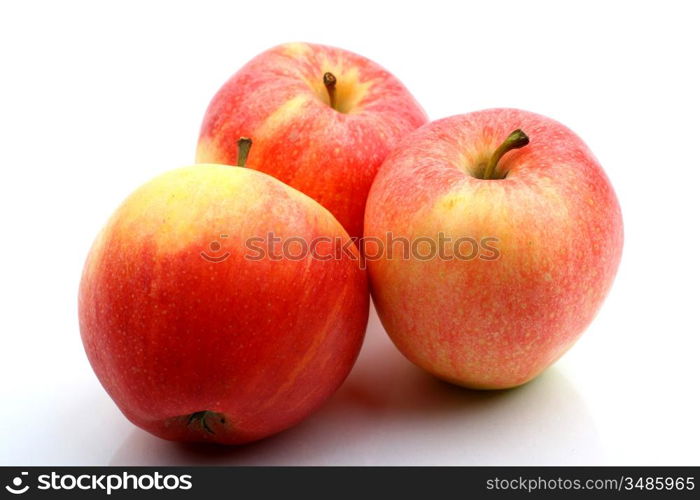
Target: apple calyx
{"points": [[244, 144], [329, 81], [516, 140], [200, 418]]}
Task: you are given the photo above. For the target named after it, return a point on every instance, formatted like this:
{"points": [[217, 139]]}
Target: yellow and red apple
{"points": [[548, 232], [322, 120], [198, 338]]}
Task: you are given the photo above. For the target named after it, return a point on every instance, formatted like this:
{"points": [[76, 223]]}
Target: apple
{"points": [[198, 336], [322, 120], [516, 237]]}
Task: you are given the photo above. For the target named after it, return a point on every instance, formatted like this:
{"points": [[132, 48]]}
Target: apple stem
{"points": [[244, 144], [200, 417], [329, 81], [516, 140]]}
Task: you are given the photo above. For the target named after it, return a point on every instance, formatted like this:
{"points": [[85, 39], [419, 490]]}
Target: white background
{"points": [[96, 99]]}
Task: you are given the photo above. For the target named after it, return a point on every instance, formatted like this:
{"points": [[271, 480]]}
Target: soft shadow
{"points": [[390, 412]]}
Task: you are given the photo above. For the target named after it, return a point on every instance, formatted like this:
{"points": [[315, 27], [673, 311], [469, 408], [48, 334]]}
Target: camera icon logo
{"points": [[215, 248], [16, 488]]}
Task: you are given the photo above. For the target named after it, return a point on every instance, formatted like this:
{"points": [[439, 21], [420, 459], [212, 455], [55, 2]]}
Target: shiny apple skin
{"points": [[482, 322], [278, 99], [196, 341]]}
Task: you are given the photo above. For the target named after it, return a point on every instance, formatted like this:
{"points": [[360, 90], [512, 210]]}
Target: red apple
{"points": [[322, 120], [199, 337], [541, 239]]}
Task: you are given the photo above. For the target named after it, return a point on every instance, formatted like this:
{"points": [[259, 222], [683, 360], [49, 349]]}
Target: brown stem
{"points": [[517, 139], [329, 81], [244, 144]]}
